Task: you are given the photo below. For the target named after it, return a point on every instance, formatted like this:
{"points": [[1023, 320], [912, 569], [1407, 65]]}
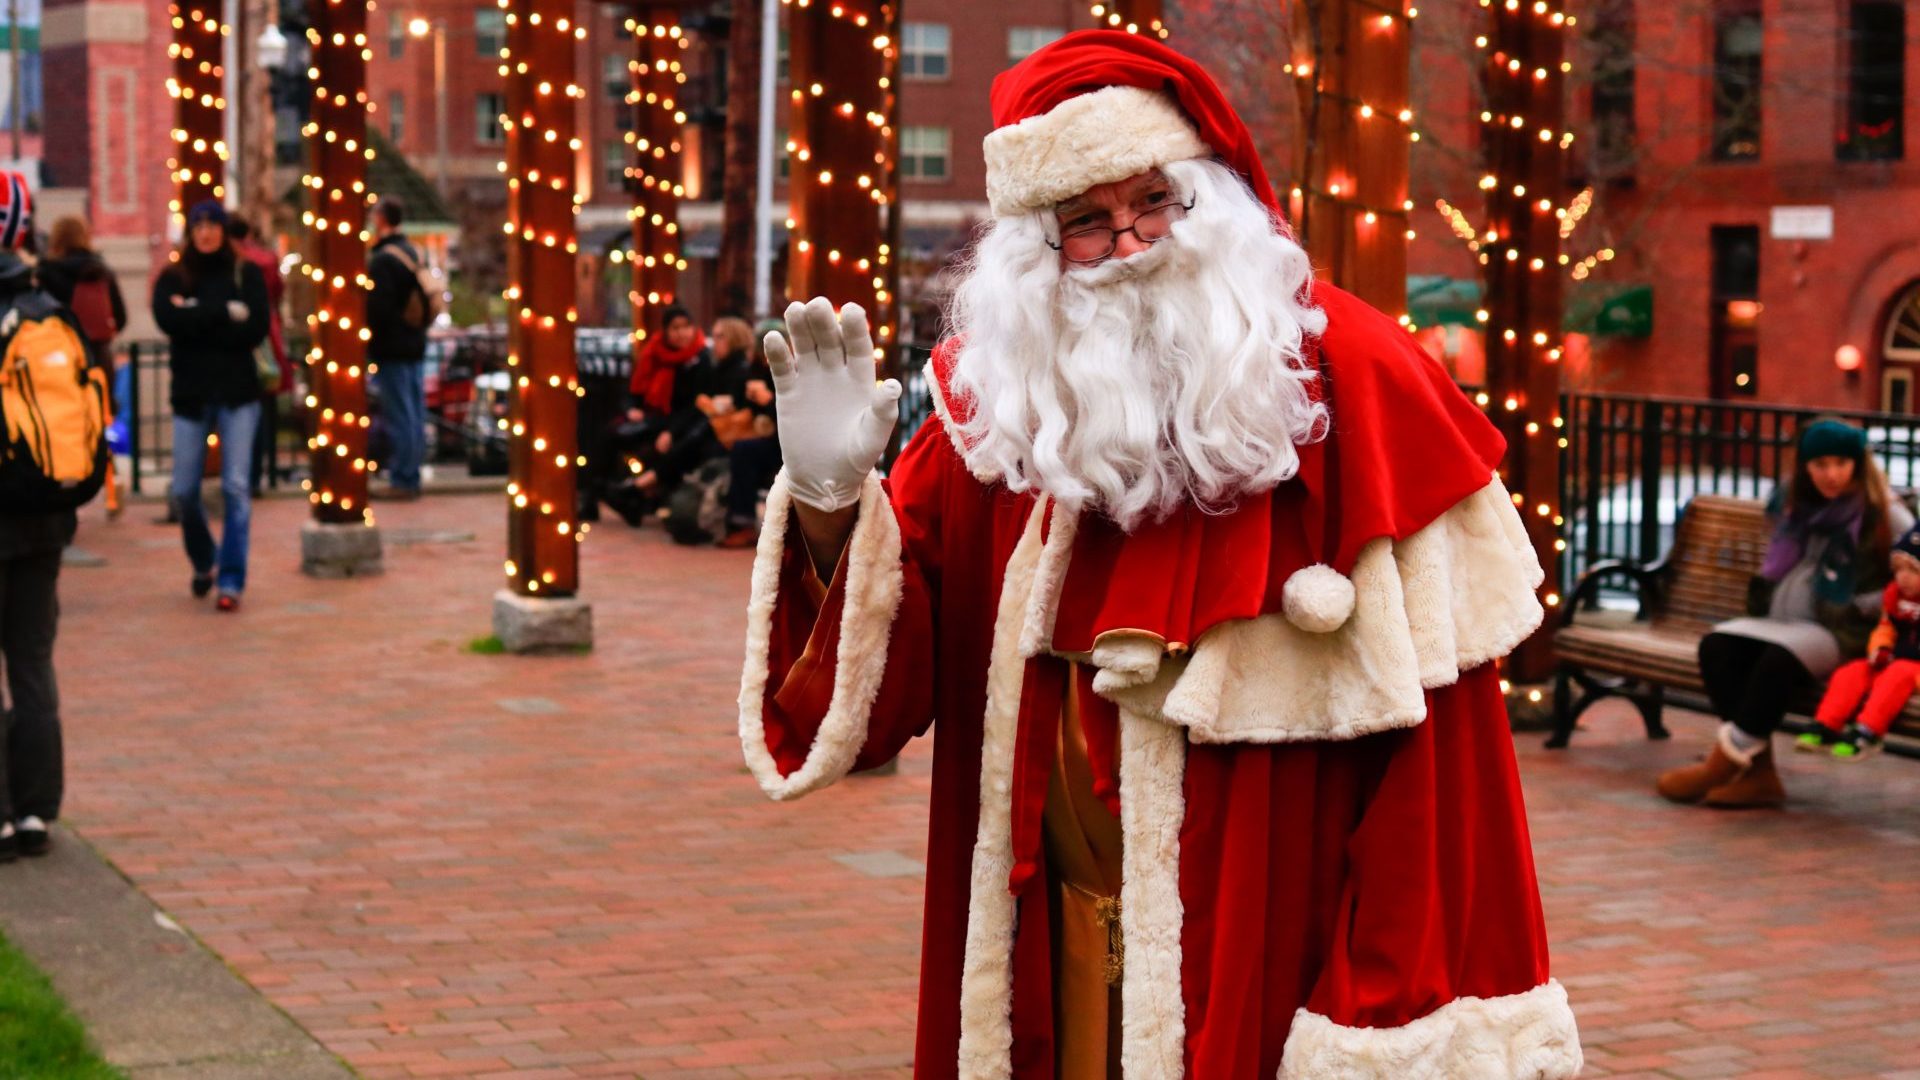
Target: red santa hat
{"points": [[1102, 105]]}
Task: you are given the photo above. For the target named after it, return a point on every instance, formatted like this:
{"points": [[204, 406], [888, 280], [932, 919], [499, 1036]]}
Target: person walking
{"points": [[240, 233], [1814, 604], [32, 771], [213, 307], [398, 314]]}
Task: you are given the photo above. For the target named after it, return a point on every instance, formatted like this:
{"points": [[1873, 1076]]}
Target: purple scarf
{"points": [[1789, 543]]}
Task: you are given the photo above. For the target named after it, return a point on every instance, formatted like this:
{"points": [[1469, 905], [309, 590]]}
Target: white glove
{"points": [[237, 311], [834, 419]]}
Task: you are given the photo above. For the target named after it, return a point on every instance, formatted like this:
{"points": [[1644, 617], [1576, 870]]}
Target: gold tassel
{"points": [[1106, 912]]}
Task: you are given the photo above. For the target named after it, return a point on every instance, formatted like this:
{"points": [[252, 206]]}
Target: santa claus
{"points": [[1202, 569]]}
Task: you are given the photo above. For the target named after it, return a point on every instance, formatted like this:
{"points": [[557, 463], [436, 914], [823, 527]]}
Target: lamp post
{"points": [[269, 57], [437, 28]]}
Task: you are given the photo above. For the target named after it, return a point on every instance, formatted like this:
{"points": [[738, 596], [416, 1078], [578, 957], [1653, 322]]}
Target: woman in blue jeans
{"points": [[214, 310]]}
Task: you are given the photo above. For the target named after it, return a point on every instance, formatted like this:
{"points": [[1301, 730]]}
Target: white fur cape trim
{"points": [[1452, 596], [1153, 806], [1097, 138], [986, 973], [874, 584], [1529, 1036]]}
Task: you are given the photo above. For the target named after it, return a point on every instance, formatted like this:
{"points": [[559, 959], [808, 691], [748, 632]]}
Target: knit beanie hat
{"points": [[207, 210], [1908, 547], [1832, 438], [16, 211], [1098, 106]]}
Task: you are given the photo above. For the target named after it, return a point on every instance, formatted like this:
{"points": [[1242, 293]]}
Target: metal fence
{"points": [[141, 384], [1632, 464]]}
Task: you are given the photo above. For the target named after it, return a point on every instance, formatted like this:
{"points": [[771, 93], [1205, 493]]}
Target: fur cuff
{"points": [[1454, 595], [1528, 1036], [1097, 138], [874, 584]]}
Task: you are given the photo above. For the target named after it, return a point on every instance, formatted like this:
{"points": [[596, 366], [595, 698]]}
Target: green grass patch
{"points": [[39, 1038], [491, 645]]}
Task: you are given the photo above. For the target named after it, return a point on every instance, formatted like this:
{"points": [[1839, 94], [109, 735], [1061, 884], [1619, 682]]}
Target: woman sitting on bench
{"points": [[1813, 606]]}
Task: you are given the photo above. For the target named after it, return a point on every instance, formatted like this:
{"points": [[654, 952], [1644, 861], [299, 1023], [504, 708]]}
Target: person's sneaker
{"points": [[9, 842], [1855, 743], [31, 832], [228, 602], [202, 584], [1816, 742]]}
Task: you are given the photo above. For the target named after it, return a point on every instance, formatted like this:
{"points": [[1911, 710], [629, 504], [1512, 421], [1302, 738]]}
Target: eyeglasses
{"points": [[1094, 244]]}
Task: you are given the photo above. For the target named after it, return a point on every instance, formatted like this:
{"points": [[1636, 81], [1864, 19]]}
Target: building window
{"points": [[486, 119], [1876, 82], [1736, 80], [396, 117], [782, 58], [925, 51], [619, 79], [925, 153], [783, 157], [614, 165], [1735, 335], [489, 32], [1024, 41], [396, 36], [1611, 101]]}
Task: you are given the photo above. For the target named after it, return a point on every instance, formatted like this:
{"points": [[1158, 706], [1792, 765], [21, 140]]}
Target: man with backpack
{"points": [[53, 459], [400, 309]]}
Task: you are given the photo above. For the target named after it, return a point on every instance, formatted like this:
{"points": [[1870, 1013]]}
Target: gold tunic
{"points": [[1083, 867]]}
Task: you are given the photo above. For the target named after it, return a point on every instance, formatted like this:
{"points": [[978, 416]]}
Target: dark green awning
{"points": [[1438, 300], [1615, 311]]}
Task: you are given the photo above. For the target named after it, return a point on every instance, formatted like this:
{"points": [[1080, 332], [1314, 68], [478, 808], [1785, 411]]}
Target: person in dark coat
{"points": [[397, 347], [213, 307], [32, 770], [71, 268]]}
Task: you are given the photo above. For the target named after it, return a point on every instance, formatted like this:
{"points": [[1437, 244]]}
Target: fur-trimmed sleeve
{"points": [[1438, 965], [841, 681]]}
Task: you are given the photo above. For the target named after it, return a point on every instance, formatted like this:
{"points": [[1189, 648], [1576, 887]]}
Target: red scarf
{"points": [[653, 372]]}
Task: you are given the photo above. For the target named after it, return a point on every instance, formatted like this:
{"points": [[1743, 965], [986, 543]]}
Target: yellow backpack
{"points": [[54, 410]]}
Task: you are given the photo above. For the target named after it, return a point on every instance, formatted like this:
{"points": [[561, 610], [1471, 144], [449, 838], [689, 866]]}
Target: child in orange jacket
{"points": [[1865, 695]]}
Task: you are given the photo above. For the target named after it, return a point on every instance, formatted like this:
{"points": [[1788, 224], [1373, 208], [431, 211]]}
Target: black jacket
{"points": [[59, 276], [392, 339], [211, 355], [39, 531]]}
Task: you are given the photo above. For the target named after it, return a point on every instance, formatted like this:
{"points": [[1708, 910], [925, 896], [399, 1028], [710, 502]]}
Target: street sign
{"points": [[1802, 223]]}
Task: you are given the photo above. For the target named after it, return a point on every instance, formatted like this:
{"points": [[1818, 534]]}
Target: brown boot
{"points": [[1758, 785], [1691, 783]]}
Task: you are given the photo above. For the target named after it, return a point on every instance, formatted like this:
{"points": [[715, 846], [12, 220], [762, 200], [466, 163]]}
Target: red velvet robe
{"points": [[1354, 905]]}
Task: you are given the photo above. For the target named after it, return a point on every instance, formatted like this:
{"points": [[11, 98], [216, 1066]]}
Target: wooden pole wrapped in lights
{"points": [[1528, 214], [1351, 68], [840, 155], [1133, 16], [657, 174], [537, 609], [336, 221], [197, 85]]}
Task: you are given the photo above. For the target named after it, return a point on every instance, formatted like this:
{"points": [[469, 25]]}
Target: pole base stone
{"points": [[533, 624], [339, 551]]}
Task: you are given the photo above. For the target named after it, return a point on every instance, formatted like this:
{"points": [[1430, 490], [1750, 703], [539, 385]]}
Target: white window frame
{"points": [[483, 133], [1030, 39], [917, 51], [918, 154]]}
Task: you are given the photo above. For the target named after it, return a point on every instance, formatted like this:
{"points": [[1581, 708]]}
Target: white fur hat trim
{"points": [[1317, 599], [1097, 138]]}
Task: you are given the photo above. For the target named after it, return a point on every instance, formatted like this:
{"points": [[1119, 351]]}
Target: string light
{"points": [[542, 158], [657, 174], [843, 149], [335, 221], [198, 162], [1133, 16]]}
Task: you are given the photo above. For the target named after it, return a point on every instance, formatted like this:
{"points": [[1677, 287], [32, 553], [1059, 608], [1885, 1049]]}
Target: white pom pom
{"points": [[1317, 599]]}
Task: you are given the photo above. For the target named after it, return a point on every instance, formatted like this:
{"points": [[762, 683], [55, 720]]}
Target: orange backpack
{"points": [[54, 410]]}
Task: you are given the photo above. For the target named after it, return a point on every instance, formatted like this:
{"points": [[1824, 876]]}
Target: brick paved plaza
{"points": [[450, 864]]}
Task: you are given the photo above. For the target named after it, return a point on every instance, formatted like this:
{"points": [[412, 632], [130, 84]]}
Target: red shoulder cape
{"points": [[1405, 445]]}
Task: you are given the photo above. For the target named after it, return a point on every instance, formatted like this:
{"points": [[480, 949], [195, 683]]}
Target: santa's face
{"points": [[1165, 371], [1117, 220]]}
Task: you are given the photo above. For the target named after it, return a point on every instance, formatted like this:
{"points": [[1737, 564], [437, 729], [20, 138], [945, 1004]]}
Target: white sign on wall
{"points": [[1802, 223]]}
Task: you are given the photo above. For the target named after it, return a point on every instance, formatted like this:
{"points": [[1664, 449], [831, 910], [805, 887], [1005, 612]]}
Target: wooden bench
{"points": [[1718, 546]]}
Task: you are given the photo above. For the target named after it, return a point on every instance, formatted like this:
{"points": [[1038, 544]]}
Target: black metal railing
{"points": [[141, 387], [1632, 463]]}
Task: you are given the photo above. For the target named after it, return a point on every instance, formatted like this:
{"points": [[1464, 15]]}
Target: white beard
{"points": [[1133, 387]]}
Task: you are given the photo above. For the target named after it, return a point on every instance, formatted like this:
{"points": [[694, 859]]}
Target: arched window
{"points": [[1902, 341]]}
